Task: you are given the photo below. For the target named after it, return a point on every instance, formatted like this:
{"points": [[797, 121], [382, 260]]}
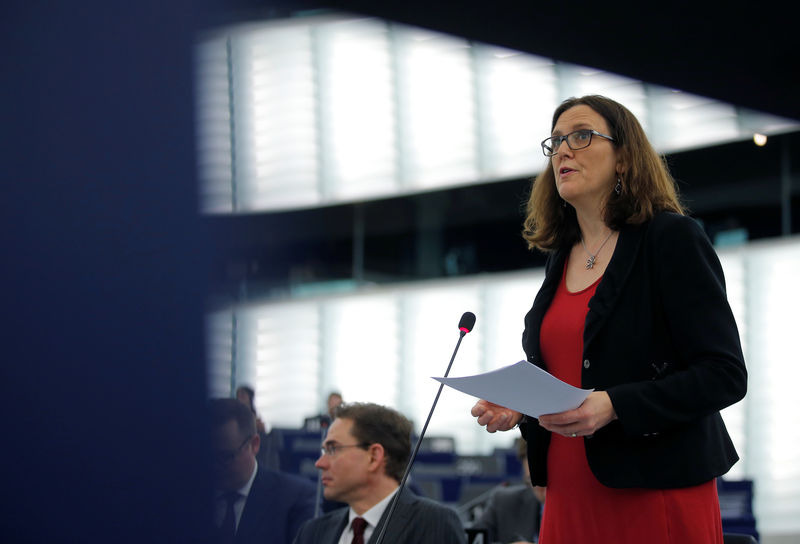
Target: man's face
{"points": [[235, 456], [345, 474], [333, 402]]}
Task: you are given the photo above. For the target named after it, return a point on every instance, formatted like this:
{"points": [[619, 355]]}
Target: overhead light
{"points": [[760, 139]]}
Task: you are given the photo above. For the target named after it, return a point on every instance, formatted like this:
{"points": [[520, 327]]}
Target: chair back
{"points": [[738, 538]]}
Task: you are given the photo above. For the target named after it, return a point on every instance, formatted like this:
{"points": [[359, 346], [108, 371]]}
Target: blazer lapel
{"points": [[604, 299], [614, 279], [533, 320], [260, 506], [399, 521], [337, 526]]}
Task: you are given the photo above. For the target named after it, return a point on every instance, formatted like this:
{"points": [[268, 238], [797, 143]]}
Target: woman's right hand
{"points": [[495, 417]]}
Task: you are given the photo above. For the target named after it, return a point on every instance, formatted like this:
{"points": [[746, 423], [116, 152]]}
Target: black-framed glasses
{"points": [[224, 457], [331, 448], [577, 139]]}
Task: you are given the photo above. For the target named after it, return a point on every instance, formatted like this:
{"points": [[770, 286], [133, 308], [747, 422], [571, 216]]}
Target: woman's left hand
{"points": [[595, 412]]}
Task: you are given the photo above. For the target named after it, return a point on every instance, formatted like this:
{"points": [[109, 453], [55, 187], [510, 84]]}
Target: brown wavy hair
{"points": [[647, 186]]}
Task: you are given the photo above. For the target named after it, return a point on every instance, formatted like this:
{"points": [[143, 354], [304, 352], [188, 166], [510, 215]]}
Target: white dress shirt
{"points": [[238, 508], [371, 516]]}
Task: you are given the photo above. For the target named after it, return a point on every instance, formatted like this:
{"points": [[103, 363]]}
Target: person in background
{"points": [[247, 395], [253, 505], [362, 461], [334, 400], [633, 305], [513, 513], [269, 452], [321, 422]]}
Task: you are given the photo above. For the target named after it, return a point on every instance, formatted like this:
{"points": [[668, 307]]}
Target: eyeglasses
{"points": [[225, 457], [332, 448], [577, 139]]}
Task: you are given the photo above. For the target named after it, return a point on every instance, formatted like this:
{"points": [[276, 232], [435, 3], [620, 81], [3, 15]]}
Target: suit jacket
{"points": [[278, 504], [661, 339], [512, 514], [415, 519]]}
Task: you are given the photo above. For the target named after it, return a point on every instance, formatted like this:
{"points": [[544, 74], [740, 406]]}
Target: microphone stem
{"points": [[417, 445]]}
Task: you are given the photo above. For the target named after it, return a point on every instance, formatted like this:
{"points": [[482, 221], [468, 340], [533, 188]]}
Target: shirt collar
{"points": [[245, 489], [373, 515]]}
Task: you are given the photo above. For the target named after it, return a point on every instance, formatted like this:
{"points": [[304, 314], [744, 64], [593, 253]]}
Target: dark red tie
{"points": [[359, 524]]}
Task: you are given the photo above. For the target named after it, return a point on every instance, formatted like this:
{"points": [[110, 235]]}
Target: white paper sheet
{"points": [[523, 387]]}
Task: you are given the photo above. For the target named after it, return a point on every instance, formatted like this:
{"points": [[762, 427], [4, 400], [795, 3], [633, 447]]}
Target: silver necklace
{"points": [[592, 258]]}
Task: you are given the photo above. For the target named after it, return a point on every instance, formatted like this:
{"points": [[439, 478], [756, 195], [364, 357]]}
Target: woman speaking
{"points": [[633, 305]]}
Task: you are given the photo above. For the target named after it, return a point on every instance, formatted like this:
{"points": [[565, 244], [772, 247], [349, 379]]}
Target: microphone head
{"points": [[467, 322]]}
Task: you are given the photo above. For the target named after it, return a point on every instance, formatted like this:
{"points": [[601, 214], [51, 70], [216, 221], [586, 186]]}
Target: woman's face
{"points": [[584, 177]]}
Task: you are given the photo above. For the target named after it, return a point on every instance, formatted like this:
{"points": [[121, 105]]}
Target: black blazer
{"points": [[661, 339], [415, 519]]}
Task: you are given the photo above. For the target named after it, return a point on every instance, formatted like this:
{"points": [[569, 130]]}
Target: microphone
{"points": [[465, 325]]}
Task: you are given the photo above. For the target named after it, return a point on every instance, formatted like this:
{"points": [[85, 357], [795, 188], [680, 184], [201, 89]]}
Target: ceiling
{"points": [[743, 56], [737, 58]]}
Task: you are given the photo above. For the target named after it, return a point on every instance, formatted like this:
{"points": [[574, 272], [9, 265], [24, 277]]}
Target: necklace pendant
{"points": [[590, 262]]}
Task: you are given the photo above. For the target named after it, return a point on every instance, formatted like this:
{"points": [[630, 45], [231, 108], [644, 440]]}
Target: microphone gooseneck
{"points": [[465, 325]]}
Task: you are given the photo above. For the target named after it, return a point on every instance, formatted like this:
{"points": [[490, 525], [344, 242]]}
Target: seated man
{"points": [[254, 504], [321, 422], [363, 459], [513, 513]]}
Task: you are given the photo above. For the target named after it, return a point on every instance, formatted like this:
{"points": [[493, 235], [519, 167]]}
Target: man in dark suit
{"points": [[513, 513], [363, 459], [253, 504]]}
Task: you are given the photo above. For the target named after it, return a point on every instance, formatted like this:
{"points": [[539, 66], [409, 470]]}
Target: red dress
{"points": [[578, 508]]}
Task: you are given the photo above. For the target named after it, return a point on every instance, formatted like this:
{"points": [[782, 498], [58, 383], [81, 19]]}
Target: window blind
{"points": [[339, 108]]}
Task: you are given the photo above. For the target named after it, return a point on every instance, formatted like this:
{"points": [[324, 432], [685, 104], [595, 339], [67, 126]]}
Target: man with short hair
{"points": [[253, 504], [513, 513], [363, 460], [334, 401], [321, 422], [269, 448]]}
